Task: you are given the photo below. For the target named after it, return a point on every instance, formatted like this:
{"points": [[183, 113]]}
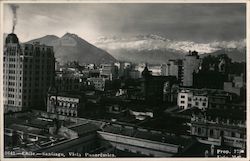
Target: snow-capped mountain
{"points": [[152, 42], [122, 47]]}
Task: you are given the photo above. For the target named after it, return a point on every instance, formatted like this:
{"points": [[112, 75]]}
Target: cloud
{"points": [[152, 42], [193, 22]]}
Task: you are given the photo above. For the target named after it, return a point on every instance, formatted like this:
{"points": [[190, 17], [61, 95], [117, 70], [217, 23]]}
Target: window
{"points": [[196, 103], [211, 132], [204, 104], [199, 130], [182, 102], [182, 96]]}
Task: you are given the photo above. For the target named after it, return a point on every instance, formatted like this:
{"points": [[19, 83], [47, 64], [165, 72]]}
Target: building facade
{"points": [[188, 98], [190, 65], [99, 83], [109, 71], [184, 100], [64, 104], [218, 130], [28, 72]]}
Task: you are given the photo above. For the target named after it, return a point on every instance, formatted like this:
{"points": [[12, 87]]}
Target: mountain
{"points": [[157, 49], [156, 56], [48, 40], [70, 47], [235, 54]]}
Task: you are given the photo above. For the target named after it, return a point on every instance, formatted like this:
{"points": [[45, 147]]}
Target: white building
{"points": [[184, 100], [192, 98]]}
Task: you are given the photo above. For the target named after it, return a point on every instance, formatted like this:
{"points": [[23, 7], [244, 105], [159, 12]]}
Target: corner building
{"points": [[28, 71]]}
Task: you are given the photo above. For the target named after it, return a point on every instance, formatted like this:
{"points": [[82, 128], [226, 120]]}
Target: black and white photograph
{"points": [[124, 80]]}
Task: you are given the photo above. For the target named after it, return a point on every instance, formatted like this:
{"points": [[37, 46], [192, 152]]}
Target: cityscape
{"points": [[124, 96]]}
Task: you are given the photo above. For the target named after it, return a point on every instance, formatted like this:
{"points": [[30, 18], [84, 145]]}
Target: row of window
{"points": [[11, 95], [11, 83], [11, 89], [196, 103], [11, 102], [12, 59], [212, 134], [195, 98], [65, 104], [12, 71], [12, 65], [12, 78]]}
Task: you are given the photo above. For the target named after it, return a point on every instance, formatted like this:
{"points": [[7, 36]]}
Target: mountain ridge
{"points": [[71, 47], [119, 47], [148, 48]]}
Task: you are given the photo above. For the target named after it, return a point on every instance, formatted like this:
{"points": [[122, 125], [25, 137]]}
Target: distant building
{"points": [[124, 69], [230, 87], [94, 73], [213, 77], [134, 74], [164, 69], [28, 71], [99, 83], [236, 85], [174, 68], [109, 71], [190, 65]]}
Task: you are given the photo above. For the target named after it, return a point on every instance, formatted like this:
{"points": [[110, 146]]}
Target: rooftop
{"points": [[146, 134], [84, 128]]}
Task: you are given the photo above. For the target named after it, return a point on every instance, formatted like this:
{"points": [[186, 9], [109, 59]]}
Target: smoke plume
{"points": [[14, 8]]}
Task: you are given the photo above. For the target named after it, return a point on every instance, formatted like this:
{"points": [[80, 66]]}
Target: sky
{"points": [[184, 22]]}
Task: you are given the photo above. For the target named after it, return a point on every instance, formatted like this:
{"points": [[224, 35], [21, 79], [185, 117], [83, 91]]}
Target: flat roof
{"points": [[151, 135]]}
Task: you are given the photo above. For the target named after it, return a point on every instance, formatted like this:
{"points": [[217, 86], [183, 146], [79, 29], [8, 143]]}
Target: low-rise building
{"points": [[65, 104], [200, 101], [220, 127], [184, 100], [188, 98], [42, 134]]}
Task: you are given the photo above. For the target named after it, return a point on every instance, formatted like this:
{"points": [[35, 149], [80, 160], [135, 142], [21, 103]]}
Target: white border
{"points": [[126, 1]]}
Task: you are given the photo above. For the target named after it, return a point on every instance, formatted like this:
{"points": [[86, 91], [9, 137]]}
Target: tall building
{"points": [[174, 68], [28, 71], [190, 64]]}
